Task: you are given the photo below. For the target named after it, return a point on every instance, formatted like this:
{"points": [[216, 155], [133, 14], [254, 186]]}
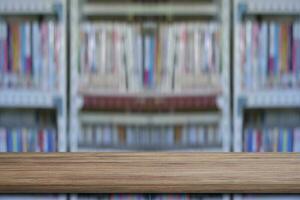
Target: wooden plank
{"points": [[150, 172]]}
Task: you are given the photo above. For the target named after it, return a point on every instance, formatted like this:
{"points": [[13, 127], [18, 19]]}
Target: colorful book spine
{"points": [[195, 136], [28, 50], [279, 58], [162, 56], [27, 140], [271, 139]]}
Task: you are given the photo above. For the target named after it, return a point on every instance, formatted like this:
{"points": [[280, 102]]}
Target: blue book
{"points": [[280, 140], [151, 61], [19, 140], [276, 50], [15, 140], [290, 141], [9, 141], [36, 54], [23, 49], [50, 140], [2, 24], [32, 142], [249, 140], [10, 49], [266, 140]]}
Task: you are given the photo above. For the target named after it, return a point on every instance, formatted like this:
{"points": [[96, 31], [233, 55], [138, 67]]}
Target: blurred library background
{"points": [[149, 75]]}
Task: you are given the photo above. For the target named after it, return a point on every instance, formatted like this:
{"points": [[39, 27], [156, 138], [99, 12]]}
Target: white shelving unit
{"points": [[261, 98], [35, 98], [264, 98], [80, 9]]}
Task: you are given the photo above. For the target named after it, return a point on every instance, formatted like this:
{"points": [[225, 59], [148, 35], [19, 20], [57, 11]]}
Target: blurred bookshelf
{"points": [[33, 115], [148, 64], [266, 78], [150, 76]]}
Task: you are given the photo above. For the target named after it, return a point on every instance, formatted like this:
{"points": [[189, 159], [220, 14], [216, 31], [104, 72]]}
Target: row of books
{"points": [[29, 197], [270, 197], [272, 139], [30, 54], [166, 136], [28, 140], [149, 197], [270, 54], [149, 56]]}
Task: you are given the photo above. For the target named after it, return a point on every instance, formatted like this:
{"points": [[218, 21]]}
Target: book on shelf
{"points": [[27, 131], [29, 197], [30, 54], [272, 131], [272, 139], [28, 139], [149, 196], [149, 56], [118, 136], [270, 54]]}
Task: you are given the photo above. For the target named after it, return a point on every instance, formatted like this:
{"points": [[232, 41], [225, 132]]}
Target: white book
{"points": [[170, 136], [24, 136], [103, 51], [128, 44], [184, 135], [3, 35], [97, 50], [36, 60], [89, 134], [51, 65], [271, 42], [107, 131], [249, 58], [129, 136], [115, 135], [254, 143], [99, 132], [218, 135], [155, 136], [139, 61], [263, 65], [211, 135], [170, 52], [255, 55], [192, 131], [296, 147], [91, 48], [297, 38], [3, 144], [201, 135], [45, 139], [217, 49], [45, 56]]}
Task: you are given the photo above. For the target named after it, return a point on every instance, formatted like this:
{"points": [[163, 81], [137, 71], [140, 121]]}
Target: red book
{"points": [[41, 141], [259, 141]]}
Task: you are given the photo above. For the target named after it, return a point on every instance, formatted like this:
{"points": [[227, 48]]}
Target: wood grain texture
{"points": [[150, 173]]}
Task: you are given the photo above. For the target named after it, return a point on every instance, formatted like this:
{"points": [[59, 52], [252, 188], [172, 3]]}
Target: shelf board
{"points": [[150, 119], [271, 7], [136, 103], [28, 7], [165, 147], [18, 98], [150, 9], [150, 172], [279, 98]]}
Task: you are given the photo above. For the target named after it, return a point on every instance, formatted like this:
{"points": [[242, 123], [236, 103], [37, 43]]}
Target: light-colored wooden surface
{"points": [[150, 172]]}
